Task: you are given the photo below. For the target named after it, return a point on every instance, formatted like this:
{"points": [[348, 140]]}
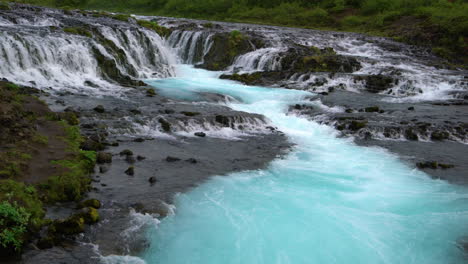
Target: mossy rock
{"points": [[224, 120], [166, 126], [439, 135], [150, 92], [226, 47], [71, 226], [104, 157], [126, 152], [70, 118], [162, 31], [357, 125], [90, 215], [78, 31], [94, 203], [372, 109]]}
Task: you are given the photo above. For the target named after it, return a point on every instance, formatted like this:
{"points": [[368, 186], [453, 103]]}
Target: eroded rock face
{"points": [[226, 47], [299, 60]]}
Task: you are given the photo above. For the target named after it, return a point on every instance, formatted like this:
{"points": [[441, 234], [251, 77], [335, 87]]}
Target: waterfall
{"points": [[265, 59], [191, 46], [37, 52]]}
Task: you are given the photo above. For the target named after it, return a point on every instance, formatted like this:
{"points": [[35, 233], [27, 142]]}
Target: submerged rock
{"points": [[130, 171], [126, 152], [100, 109], [152, 180], [172, 159]]}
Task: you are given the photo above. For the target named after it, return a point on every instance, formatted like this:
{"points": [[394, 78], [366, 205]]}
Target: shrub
{"points": [[13, 224]]}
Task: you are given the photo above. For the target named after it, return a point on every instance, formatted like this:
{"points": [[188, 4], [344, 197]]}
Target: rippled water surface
{"points": [[329, 201]]}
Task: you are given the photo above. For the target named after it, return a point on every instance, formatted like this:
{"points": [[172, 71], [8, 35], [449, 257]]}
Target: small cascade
{"points": [[38, 51], [265, 59], [191, 46]]}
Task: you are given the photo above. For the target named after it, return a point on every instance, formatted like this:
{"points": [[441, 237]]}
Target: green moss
{"points": [[12, 163], [78, 31], [208, 25], [247, 78], [150, 92], [121, 17], [162, 31], [94, 203], [4, 6], [12, 87], [40, 139]]}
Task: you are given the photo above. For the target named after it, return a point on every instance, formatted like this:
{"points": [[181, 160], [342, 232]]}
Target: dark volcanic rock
{"points": [[99, 109], [172, 159], [200, 134], [130, 171]]}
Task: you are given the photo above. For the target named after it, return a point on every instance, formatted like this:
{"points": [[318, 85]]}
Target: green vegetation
{"points": [[439, 24], [13, 221], [23, 189], [78, 31], [162, 31]]}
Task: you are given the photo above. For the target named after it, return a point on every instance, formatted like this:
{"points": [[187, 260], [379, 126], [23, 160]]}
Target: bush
{"points": [[13, 224]]}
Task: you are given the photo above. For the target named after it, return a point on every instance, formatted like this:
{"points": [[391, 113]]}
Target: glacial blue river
{"points": [[328, 201]]}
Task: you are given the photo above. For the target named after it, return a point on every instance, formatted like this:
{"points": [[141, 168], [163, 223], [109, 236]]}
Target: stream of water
{"points": [[329, 201]]}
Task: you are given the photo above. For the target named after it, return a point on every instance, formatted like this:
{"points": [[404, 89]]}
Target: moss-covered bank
{"points": [[42, 163]]}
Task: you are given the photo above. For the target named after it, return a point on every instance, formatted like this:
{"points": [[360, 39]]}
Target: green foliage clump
{"points": [[13, 223], [25, 196], [78, 31]]}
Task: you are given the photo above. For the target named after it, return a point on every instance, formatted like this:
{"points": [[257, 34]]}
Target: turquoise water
{"points": [[329, 201]]}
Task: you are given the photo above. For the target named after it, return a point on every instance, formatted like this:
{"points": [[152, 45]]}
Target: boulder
{"points": [[100, 109], [104, 157]]}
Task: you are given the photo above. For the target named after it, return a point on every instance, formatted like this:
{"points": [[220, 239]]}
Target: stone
{"points": [[126, 152], [372, 109], [130, 171], [130, 159], [172, 159], [192, 160], [152, 180], [104, 157], [103, 169], [100, 109], [200, 134]]}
